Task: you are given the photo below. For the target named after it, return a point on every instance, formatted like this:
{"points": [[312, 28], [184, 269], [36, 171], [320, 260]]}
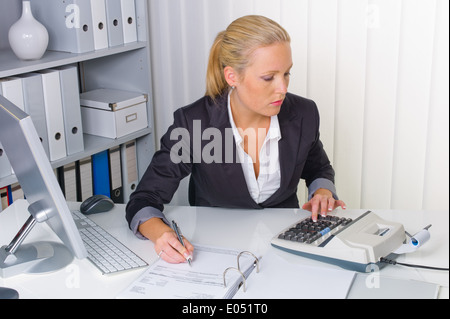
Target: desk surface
{"points": [[241, 229]]}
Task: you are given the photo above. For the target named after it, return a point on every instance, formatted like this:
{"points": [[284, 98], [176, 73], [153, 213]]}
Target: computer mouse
{"points": [[96, 204]]}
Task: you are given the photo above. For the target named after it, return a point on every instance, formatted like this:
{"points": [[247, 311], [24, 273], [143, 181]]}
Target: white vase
{"points": [[27, 37]]}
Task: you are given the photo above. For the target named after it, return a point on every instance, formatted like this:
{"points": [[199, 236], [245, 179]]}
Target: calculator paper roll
{"points": [[415, 242]]}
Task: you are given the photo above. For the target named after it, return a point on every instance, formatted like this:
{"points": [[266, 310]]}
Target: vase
{"points": [[27, 37]]}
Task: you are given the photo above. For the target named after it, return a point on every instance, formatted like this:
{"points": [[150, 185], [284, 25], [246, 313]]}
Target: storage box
{"points": [[113, 113]]}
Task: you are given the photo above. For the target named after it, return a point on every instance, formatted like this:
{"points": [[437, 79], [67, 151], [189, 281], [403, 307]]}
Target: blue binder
{"points": [[100, 173], [9, 194]]}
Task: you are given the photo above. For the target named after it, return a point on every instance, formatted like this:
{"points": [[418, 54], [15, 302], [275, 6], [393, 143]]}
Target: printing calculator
{"points": [[355, 244]]}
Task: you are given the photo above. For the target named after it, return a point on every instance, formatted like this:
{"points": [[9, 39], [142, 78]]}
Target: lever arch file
{"points": [[67, 181], [216, 273], [12, 89], [70, 96], [54, 114], [100, 174], [100, 30], [129, 168], [114, 22], [84, 177], [3, 198], [128, 9], [115, 169], [69, 24], [281, 279], [225, 273], [35, 106], [5, 166]]}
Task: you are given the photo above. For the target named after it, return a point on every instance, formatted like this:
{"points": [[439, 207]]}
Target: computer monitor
{"points": [[46, 201]]}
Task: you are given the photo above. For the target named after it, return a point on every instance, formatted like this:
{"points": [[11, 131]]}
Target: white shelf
{"points": [[125, 67], [92, 145], [10, 65]]}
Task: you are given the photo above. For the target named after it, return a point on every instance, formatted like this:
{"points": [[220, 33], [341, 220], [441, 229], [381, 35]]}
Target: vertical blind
{"points": [[377, 69]]}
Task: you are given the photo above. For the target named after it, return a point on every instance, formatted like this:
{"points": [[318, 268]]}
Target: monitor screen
{"points": [[41, 189]]}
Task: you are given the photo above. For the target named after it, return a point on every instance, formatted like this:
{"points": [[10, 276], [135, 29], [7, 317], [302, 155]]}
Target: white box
{"points": [[113, 113]]}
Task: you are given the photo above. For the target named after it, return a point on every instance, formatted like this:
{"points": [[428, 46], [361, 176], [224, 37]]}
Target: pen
{"points": [[177, 231]]}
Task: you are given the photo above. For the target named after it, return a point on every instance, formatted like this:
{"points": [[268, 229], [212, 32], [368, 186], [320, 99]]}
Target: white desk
{"points": [[240, 229]]}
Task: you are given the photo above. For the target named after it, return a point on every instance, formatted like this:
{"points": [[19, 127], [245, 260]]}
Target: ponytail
{"points": [[215, 79]]}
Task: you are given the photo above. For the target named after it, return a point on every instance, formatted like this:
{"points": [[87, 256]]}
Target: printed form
{"points": [[277, 278], [204, 279]]}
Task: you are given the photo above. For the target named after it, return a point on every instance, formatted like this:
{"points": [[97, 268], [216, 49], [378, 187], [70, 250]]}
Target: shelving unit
{"points": [[124, 67]]}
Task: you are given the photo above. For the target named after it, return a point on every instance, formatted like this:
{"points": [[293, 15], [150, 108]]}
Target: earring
{"points": [[232, 87]]}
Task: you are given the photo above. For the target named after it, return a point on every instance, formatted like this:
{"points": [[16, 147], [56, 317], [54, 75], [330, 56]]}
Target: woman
{"points": [[246, 144]]}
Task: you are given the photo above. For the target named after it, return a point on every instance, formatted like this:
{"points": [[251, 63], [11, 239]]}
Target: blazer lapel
{"points": [[218, 114], [288, 146], [290, 124]]}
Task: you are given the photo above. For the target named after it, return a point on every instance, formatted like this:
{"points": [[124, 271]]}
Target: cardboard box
{"points": [[113, 113]]}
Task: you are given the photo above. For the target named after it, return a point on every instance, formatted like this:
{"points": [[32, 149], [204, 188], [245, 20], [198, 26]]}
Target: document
{"points": [[202, 280], [272, 278], [280, 279]]}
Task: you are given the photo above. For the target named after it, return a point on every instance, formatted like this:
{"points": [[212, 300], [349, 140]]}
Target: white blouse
{"points": [[268, 180]]}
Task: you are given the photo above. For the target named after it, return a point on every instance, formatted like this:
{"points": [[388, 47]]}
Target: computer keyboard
{"points": [[104, 251], [356, 244]]}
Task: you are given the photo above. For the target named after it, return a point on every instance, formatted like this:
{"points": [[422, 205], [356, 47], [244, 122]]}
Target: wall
{"points": [[377, 69]]}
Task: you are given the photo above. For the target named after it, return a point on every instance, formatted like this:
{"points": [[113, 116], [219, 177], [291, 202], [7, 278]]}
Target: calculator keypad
{"points": [[309, 232]]}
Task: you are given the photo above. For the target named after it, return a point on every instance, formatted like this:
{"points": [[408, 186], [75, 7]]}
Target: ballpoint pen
{"points": [[177, 231]]}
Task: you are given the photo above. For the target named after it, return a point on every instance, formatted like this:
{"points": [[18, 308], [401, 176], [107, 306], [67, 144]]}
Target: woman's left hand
{"points": [[322, 202]]}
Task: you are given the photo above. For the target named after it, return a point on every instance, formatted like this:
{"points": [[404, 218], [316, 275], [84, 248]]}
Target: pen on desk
{"points": [[177, 231]]}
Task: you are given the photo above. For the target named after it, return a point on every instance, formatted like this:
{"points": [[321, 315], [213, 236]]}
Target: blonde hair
{"points": [[234, 46]]}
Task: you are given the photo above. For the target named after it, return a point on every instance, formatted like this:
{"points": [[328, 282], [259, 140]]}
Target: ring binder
{"points": [[238, 269], [250, 253], [234, 268], [208, 277]]}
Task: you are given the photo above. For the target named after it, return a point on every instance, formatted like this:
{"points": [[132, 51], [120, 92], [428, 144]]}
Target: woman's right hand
{"points": [[166, 242]]}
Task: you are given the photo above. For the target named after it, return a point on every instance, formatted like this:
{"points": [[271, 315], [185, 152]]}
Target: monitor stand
{"points": [[8, 293], [32, 258]]}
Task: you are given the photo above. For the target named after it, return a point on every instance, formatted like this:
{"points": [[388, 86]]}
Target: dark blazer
{"points": [[222, 183]]}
